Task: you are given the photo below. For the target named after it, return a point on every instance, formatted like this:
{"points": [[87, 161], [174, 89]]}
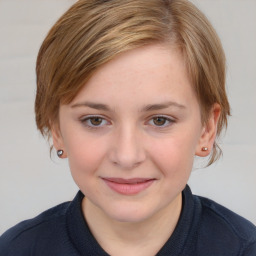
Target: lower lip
{"points": [[128, 189]]}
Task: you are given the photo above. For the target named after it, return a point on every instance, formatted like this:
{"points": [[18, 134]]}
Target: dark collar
{"points": [[181, 239]]}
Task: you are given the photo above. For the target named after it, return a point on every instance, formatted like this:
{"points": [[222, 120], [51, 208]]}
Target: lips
{"points": [[128, 186], [127, 181]]}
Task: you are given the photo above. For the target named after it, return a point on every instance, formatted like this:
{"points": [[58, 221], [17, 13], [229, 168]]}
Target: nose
{"points": [[127, 149]]}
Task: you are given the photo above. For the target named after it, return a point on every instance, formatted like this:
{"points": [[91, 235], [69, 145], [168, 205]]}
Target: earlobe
{"points": [[58, 142], [209, 132]]}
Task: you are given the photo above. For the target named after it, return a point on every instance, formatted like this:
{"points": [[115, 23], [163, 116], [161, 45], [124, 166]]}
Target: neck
{"points": [[146, 237]]}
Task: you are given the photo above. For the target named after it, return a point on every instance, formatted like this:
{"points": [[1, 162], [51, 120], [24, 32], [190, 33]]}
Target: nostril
{"points": [[126, 151], [128, 166]]}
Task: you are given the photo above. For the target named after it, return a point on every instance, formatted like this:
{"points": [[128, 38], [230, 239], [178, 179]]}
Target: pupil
{"points": [[96, 121], [159, 121]]}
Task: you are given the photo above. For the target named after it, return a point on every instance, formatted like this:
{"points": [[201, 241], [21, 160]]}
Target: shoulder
{"points": [[46, 228], [226, 228]]}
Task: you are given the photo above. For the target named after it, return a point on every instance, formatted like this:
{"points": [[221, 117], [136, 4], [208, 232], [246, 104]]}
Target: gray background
{"points": [[31, 182]]}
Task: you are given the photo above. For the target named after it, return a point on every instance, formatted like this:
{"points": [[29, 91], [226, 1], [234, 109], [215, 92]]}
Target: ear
{"points": [[209, 131], [57, 139]]}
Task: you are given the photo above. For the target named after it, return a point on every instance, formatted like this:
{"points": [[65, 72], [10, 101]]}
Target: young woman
{"points": [[130, 92]]}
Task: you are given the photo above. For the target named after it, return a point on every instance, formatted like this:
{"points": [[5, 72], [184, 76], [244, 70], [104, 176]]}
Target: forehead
{"points": [[149, 73]]}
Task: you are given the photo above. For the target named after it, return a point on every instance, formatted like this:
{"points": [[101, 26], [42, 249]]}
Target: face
{"points": [[132, 132]]}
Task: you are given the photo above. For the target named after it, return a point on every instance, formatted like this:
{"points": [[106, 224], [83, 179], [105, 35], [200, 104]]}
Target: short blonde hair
{"points": [[92, 32]]}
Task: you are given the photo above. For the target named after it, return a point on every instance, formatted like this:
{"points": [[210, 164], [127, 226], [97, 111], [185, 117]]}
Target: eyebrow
{"points": [[93, 105], [149, 107], [164, 105]]}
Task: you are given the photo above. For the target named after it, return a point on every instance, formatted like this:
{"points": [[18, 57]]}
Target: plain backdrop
{"points": [[31, 182]]}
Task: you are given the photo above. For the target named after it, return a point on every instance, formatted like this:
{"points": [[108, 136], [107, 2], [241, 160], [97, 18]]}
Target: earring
{"points": [[60, 153], [204, 149]]}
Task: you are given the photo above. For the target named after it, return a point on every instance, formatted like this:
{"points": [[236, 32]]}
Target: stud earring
{"points": [[60, 153], [204, 149]]}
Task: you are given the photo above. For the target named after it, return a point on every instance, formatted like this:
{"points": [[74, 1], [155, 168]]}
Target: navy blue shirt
{"points": [[205, 228]]}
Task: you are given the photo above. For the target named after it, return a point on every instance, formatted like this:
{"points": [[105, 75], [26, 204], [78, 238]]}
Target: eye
{"points": [[94, 121], [161, 121]]}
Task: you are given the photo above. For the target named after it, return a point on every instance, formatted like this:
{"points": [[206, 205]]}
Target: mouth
{"points": [[128, 186]]}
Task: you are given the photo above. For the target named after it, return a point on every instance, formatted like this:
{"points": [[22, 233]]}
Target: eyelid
{"points": [[85, 118], [171, 121]]}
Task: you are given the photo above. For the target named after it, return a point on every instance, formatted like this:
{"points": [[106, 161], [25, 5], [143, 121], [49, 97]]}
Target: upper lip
{"points": [[128, 181]]}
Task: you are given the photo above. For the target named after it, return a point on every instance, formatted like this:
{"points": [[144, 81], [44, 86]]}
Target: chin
{"points": [[129, 214], [128, 218]]}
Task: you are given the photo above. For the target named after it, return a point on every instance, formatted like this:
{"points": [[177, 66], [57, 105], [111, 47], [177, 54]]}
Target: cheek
{"points": [[85, 155], [175, 155]]}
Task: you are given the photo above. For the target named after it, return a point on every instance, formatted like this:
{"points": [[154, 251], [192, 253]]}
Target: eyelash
{"points": [[169, 121], [87, 119]]}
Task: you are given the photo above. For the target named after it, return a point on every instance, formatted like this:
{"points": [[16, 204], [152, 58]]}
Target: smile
{"points": [[128, 186]]}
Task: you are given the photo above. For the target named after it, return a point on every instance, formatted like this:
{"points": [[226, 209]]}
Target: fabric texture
{"points": [[204, 228]]}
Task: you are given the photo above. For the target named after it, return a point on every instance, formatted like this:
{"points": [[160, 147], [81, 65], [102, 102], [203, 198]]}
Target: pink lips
{"points": [[128, 186]]}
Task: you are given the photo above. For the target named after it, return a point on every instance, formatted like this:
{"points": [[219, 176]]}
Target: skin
{"points": [[147, 125]]}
